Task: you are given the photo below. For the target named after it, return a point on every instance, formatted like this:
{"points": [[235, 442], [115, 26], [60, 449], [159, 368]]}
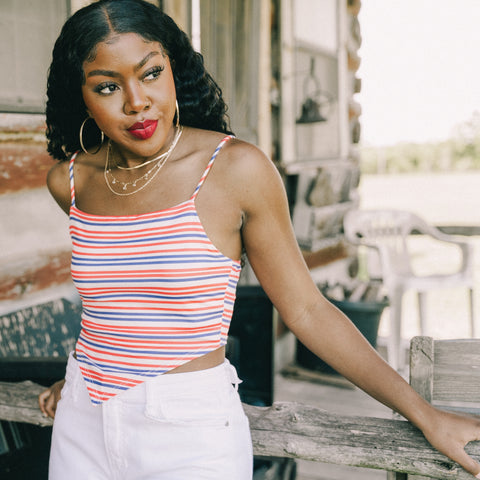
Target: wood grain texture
{"points": [[24, 165], [34, 274], [303, 432]]}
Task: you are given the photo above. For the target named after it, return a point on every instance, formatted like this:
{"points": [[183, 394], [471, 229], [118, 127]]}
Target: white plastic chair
{"points": [[386, 232]]}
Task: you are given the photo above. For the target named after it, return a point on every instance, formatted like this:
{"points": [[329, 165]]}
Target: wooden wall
{"points": [[34, 243]]}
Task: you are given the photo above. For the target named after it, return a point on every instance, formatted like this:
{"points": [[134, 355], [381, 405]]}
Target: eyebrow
{"points": [[111, 73]]}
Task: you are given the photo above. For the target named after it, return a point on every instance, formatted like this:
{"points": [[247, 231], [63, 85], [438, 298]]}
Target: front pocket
{"points": [[196, 409]]}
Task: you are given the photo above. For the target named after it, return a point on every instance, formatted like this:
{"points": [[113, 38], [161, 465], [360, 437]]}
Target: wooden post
{"points": [[421, 366], [421, 376]]}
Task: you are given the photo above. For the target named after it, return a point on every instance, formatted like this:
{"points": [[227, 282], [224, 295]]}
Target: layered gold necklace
{"points": [[118, 187]]}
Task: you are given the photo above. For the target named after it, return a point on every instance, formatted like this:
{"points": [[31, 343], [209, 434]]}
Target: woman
{"points": [[162, 203]]}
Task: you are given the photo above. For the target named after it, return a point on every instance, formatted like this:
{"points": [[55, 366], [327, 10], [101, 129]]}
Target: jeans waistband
{"points": [[225, 372]]}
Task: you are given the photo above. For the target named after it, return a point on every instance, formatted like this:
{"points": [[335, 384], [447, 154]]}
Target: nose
{"points": [[135, 99]]}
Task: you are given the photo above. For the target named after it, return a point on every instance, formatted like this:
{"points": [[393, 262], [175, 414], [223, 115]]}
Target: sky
{"points": [[420, 68]]}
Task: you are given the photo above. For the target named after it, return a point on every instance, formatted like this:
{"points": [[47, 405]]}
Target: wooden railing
{"points": [[303, 432]]}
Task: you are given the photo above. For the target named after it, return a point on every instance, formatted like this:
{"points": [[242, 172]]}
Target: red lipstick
{"points": [[143, 130]]}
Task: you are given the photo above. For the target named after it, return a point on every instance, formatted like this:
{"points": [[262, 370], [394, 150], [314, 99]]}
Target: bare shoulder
{"points": [[249, 172], [59, 186], [245, 156], [243, 174], [235, 153]]}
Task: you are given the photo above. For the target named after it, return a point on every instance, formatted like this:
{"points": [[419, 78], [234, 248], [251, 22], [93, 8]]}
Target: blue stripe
{"points": [[106, 384], [154, 317], [107, 368], [151, 279], [160, 259], [108, 349], [145, 296], [128, 336]]}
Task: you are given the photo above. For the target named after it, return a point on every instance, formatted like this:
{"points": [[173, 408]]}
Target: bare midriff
{"points": [[209, 360]]}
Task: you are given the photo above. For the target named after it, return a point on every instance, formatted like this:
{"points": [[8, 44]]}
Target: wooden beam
{"points": [[265, 79], [33, 274], [303, 432], [24, 166]]}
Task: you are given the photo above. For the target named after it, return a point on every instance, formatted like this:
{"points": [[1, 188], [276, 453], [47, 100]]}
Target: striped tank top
{"points": [[155, 292]]}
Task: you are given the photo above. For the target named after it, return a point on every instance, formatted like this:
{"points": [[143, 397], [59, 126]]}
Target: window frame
{"points": [[11, 100]]}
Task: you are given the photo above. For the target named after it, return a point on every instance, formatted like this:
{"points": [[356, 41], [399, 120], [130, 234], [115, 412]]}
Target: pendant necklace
{"points": [[146, 178]]}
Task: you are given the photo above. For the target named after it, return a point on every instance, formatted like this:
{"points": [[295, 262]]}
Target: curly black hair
{"points": [[199, 97]]}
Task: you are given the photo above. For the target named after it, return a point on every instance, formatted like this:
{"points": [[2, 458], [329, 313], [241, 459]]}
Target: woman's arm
{"points": [[274, 255], [59, 187], [58, 184]]}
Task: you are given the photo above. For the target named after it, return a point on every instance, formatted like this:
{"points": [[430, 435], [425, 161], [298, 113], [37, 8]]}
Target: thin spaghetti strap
{"points": [[210, 163], [72, 184]]}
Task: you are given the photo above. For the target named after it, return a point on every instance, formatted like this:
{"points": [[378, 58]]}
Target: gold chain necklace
{"points": [[146, 177], [144, 164]]}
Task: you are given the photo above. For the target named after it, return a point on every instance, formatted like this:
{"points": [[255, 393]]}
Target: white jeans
{"points": [[172, 427]]}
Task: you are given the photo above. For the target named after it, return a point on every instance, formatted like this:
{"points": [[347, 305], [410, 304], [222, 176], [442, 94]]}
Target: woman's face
{"points": [[130, 92]]}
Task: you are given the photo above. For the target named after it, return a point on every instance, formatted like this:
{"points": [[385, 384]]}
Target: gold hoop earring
{"points": [[81, 138], [177, 114]]}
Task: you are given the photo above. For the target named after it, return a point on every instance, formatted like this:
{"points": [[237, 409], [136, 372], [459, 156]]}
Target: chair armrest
{"points": [[439, 235], [466, 247]]}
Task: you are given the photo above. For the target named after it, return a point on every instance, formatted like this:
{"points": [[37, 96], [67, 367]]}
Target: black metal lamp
{"points": [[314, 101]]}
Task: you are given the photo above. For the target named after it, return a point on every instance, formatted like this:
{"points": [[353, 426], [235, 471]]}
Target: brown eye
{"points": [[153, 73], [106, 88]]}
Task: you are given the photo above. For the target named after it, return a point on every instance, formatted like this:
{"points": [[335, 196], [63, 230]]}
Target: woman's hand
{"points": [[49, 398], [272, 249], [449, 433]]}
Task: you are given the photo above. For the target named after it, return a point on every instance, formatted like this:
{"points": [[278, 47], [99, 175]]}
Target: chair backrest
{"points": [[447, 372], [386, 230]]}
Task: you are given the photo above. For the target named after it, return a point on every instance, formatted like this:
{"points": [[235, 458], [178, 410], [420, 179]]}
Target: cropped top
{"points": [[155, 292]]}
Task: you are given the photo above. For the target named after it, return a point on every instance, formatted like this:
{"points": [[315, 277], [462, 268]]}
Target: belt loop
{"points": [[148, 397], [233, 376], [74, 377]]}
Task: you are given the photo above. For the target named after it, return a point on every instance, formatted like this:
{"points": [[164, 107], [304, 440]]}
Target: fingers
{"points": [[451, 433], [468, 463], [48, 399], [44, 402], [461, 457], [51, 405]]}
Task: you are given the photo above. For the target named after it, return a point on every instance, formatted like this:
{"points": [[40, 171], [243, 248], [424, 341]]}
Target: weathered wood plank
{"points": [[422, 354], [304, 432], [301, 431], [421, 366], [34, 273], [456, 373], [18, 403], [465, 230], [25, 164]]}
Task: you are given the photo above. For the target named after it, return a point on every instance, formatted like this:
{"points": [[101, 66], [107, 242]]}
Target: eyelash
{"points": [[155, 71], [99, 88]]}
